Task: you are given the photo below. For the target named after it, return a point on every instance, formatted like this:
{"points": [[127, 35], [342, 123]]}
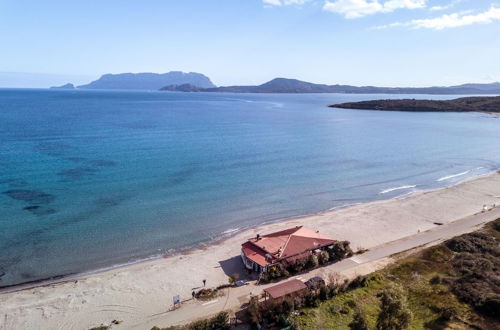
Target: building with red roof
{"points": [[260, 252], [290, 288]]}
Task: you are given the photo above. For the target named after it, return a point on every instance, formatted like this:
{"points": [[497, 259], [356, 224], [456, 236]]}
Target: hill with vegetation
{"points": [[464, 104], [284, 85]]}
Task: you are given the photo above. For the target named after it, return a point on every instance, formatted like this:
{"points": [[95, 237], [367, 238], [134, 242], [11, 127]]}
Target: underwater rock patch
{"points": [[30, 196], [76, 173], [39, 210]]}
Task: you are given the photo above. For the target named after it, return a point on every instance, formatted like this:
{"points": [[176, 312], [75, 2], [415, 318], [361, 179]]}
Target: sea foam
{"points": [[452, 176], [385, 191]]}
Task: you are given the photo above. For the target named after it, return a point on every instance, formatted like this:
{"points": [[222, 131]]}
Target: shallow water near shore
{"points": [[90, 179]]}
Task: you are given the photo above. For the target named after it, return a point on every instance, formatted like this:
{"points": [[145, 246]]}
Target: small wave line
{"points": [[385, 191], [452, 176]]}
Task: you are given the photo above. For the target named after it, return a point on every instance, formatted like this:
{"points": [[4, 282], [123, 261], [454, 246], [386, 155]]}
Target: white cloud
{"points": [[272, 2], [360, 8], [444, 7], [450, 20], [284, 2]]}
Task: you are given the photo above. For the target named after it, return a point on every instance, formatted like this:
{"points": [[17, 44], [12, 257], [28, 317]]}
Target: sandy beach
{"points": [[136, 294]]}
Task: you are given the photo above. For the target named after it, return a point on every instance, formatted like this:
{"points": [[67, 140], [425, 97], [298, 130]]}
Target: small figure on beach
{"points": [[204, 282], [485, 208], [193, 294]]}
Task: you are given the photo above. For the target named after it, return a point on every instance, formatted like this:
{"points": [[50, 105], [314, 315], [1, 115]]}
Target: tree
{"points": [[312, 261], [254, 310], [359, 320], [394, 314], [323, 257]]}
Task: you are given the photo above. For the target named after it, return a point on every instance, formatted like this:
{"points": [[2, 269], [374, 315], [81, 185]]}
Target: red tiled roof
{"points": [[255, 254], [284, 244], [286, 288]]}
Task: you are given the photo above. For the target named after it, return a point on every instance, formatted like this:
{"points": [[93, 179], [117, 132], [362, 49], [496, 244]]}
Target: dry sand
{"points": [[136, 293]]}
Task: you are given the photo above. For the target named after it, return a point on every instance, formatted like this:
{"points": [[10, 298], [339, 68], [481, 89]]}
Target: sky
{"points": [[245, 42]]}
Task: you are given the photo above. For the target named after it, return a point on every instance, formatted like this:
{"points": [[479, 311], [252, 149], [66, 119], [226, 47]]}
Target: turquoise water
{"points": [[91, 179]]}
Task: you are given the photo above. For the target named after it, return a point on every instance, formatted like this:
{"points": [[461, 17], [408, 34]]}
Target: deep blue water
{"points": [[90, 179]]}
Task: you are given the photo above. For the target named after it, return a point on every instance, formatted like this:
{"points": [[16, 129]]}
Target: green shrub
{"points": [[473, 243], [395, 314], [312, 261], [359, 320], [323, 257]]}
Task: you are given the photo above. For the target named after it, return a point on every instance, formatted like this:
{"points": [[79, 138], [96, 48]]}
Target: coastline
{"points": [[145, 288], [227, 235]]}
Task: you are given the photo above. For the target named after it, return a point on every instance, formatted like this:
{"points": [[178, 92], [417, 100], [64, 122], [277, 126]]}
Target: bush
{"points": [[341, 250], [395, 314], [324, 293], [312, 261], [323, 257], [311, 299], [473, 243], [358, 282], [359, 320], [449, 313], [436, 280]]}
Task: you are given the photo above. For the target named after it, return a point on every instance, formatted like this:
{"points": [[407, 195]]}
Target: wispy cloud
{"points": [[284, 2], [450, 20], [444, 7], [360, 8]]}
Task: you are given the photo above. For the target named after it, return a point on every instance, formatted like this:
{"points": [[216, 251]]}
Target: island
{"points": [[65, 86], [465, 104], [148, 81]]}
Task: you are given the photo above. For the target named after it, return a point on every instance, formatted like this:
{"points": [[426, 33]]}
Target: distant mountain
{"points": [[181, 88], [149, 81], [283, 85], [464, 104], [65, 86]]}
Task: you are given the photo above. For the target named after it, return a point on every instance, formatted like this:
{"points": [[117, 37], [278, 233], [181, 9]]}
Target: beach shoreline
{"points": [[147, 287], [63, 278]]}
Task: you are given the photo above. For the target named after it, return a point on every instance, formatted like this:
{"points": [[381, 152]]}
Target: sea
{"points": [[95, 179]]}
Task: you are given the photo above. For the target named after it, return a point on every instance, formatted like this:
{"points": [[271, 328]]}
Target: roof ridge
{"points": [[288, 240]]}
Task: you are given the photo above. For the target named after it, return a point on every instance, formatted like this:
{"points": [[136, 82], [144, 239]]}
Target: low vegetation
{"points": [[339, 251], [218, 322], [453, 285]]}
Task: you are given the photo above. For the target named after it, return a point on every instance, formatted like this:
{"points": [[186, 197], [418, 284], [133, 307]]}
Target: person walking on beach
{"points": [[204, 282], [193, 294]]}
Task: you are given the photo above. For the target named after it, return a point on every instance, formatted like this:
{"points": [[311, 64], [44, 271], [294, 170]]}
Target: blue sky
{"points": [[358, 42]]}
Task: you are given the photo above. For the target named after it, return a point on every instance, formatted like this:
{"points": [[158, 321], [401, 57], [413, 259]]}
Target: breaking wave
{"points": [[452, 176], [385, 191]]}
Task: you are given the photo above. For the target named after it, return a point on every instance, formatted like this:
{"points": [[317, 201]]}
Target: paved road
{"points": [[235, 297]]}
